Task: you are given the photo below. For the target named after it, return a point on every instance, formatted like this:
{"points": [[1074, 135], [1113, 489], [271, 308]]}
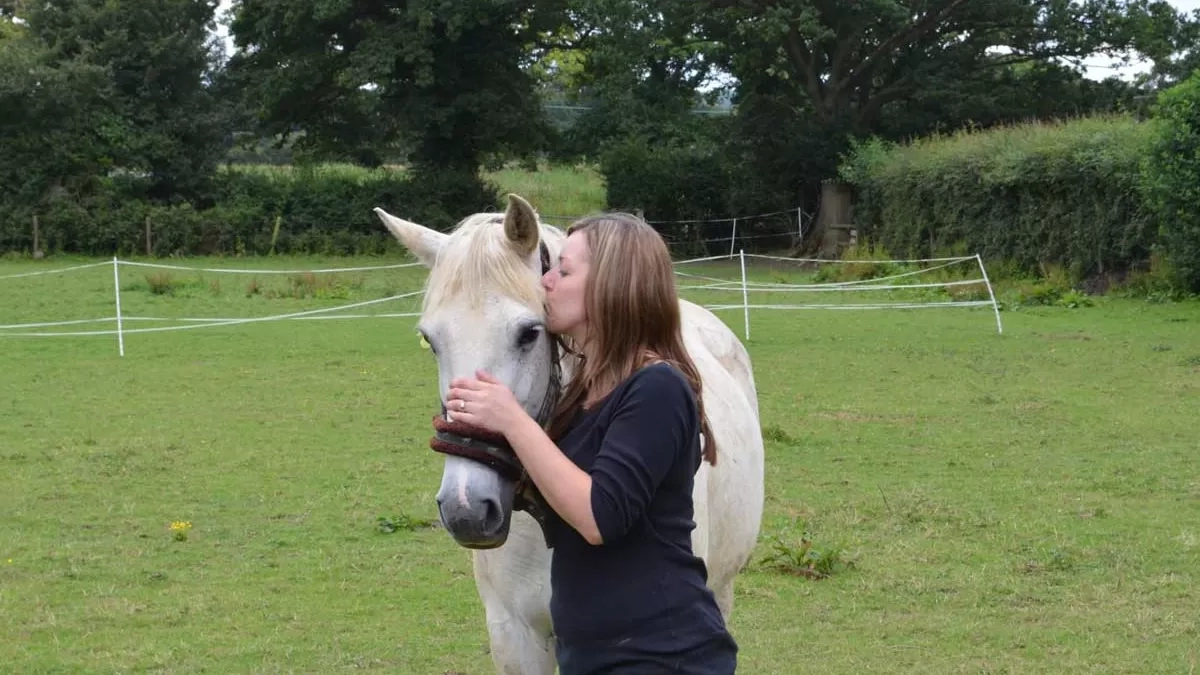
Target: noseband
{"points": [[492, 450]]}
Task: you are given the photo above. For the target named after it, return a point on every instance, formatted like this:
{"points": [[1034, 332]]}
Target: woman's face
{"points": [[565, 284]]}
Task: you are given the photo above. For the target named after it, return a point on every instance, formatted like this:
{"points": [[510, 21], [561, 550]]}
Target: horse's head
{"points": [[484, 309]]}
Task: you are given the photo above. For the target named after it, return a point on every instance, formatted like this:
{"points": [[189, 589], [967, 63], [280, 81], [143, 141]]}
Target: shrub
{"points": [[1030, 195], [679, 184], [1172, 177], [672, 182], [250, 210]]}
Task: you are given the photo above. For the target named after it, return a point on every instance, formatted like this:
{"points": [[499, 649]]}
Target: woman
{"points": [[618, 460]]}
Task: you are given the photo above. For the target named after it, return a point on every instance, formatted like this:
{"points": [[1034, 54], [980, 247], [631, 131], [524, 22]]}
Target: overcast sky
{"points": [[1097, 67]]}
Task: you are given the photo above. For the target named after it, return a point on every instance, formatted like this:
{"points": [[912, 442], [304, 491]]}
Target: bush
{"points": [[672, 182], [1172, 178], [1032, 195], [250, 210], [678, 184], [666, 183]]}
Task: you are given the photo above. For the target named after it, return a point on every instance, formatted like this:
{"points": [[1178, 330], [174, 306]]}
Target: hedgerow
{"points": [[1036, 195], [255, 210], [1171, 174]]}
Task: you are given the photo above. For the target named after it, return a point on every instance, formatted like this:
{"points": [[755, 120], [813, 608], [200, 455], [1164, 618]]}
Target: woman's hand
{"points": [[484, 402]]}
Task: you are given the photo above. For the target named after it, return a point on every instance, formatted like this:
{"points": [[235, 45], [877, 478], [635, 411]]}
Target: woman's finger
{"points": [[467, 383], [465, 394]]}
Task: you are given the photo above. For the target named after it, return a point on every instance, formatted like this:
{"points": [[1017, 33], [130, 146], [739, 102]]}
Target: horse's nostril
{"points": [[492, 517]]}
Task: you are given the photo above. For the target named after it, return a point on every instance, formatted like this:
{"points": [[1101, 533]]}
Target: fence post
{"points": [[149, 248], [745, 297], [733, 238], [37, 243], [117, 291], [995, 307]]}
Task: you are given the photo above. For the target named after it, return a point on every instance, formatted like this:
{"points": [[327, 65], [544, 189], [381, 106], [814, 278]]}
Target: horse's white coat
{"points": [[471, 326]]}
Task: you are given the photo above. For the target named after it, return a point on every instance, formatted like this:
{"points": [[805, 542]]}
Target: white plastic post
{"points": [[117, 291], [995, 307], [733, 238], [745, 297]]}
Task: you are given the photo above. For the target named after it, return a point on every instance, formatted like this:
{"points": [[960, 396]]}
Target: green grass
{"points": [[1025, 502], [569, 191], [554, 190]]}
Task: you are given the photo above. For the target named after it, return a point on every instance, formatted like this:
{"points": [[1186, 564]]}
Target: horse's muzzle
{"points": [[492, 450]]}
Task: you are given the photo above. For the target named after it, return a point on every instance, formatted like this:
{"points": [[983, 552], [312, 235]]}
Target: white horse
{"points": [[483, 310]]}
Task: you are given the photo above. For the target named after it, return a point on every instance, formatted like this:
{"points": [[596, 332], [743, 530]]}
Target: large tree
{"points": [[812, 74], [634, 67], [159, 56], [1176, 44], [58, 124], [443, 84], [847, 62]]}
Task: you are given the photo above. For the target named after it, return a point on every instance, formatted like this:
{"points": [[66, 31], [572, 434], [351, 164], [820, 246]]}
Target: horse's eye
{"points": [[425, 343], [528, 336]]}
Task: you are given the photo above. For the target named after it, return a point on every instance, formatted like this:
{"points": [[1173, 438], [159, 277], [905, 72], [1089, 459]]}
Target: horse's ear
{"points": [[421, 241], [521, 225]]}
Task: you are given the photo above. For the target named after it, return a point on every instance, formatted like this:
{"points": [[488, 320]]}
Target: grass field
{"points": [[1017, 503], [557, 190]]}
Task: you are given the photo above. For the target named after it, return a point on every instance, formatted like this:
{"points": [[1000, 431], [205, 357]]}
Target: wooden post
{"points": [[149, 248], [37, 244]]}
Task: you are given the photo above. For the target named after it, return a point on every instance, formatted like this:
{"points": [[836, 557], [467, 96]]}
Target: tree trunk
{"points": [[825, 239]]}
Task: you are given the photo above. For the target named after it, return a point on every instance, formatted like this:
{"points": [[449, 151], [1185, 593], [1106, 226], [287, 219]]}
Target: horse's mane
{"points": [[478, 260]]}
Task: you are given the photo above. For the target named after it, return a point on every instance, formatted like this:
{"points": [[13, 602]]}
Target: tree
{"points": [[635, 67], [1176, 47], [160, 57], [58, 124], [847, 62], [813, 74], [443, 84]]}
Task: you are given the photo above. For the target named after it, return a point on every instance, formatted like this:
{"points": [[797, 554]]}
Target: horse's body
{"points": [[482, 301]]}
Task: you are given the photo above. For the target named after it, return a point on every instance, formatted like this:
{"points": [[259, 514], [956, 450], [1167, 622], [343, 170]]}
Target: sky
{"points": [[1097, 68]]}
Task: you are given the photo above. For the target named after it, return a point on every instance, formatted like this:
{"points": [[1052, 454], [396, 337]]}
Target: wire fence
{"points": [[691, 282]]}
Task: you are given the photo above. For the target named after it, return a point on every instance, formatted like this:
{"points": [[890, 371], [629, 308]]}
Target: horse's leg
{"points": [[724, 593], [519, 649], [708, 525], [514, 584]]}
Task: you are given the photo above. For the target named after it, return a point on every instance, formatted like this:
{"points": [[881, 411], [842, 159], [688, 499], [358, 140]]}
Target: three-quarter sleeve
{"points": [[653, 426]]}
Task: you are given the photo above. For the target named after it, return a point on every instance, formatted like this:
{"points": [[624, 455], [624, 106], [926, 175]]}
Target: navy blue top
{"points": [[642, 590]]}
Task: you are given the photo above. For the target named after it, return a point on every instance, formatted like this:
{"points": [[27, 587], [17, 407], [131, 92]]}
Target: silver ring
{"points": [[462, 405]]}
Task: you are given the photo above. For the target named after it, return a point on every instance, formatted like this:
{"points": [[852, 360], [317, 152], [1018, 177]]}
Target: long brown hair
{"points": [[633, 317]]}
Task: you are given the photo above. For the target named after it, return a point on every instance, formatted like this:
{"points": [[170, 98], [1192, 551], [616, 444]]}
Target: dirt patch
{"points": [[848, 416], [1032, 406], [1084, 337]]}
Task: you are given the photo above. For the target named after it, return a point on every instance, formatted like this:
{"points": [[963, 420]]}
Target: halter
{"points": [[492, 450]]}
